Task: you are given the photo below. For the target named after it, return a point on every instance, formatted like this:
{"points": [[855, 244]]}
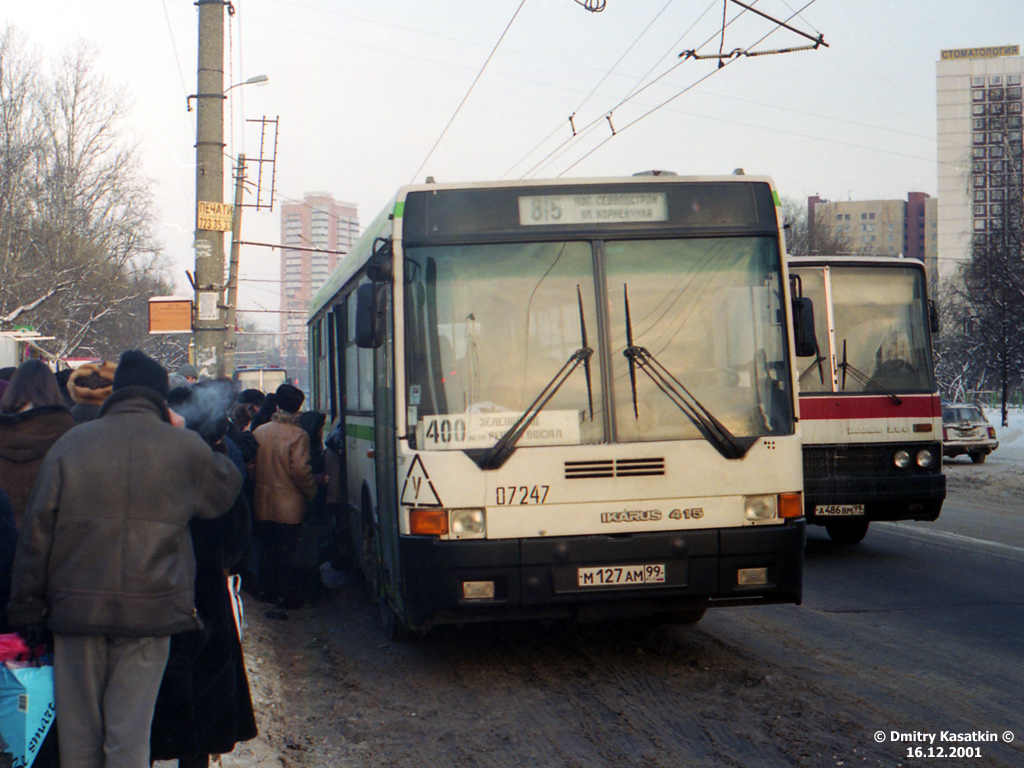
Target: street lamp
{"points": [[255, 80]]}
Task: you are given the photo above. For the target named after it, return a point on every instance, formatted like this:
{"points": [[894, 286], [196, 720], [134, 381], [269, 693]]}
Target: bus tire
{"points": [[847, 531], [369, 561], [686, 615], [394, 628], [340, 540]]}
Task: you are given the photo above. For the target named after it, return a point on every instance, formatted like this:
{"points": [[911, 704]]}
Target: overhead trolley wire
{"points": [[464, 98], [593, 90], [633, 93], [683, 57]]}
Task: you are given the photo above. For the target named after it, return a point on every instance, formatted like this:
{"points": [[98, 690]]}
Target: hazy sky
{"points": [[364, 90]]}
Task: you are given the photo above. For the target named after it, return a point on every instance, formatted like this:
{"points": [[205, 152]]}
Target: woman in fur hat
{"points": [[89, 386]]}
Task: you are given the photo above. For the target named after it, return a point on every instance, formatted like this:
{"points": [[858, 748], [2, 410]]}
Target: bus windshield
{"points": [[881, 340], [489, 326]]}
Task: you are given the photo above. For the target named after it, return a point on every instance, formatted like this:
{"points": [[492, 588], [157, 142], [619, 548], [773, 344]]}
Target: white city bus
{"points": [[565, 399], [869, 403]]}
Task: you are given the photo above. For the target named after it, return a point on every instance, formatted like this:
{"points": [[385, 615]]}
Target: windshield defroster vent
{"points": [[575, 470]]}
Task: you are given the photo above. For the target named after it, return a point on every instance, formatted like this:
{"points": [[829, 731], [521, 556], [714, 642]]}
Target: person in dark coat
{"points": [[315, 527], [105, 560], [8, 539], [89, 387], [204, 706], [63, 376], [265, 413], [252, 397], [32, 418]]}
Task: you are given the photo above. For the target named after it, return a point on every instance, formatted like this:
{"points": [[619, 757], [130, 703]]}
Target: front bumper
{"points": [[538, 578], [886, 497], [954, 448]]}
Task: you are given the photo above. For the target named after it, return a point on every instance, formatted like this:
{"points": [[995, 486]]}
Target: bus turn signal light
{"points": [[791, 504], [428, 522]]}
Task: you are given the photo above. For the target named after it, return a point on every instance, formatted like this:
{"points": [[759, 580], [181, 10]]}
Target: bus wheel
{"points": [[847, 531], [369, 562], [339, 545], [686, 615], [394, 628]]}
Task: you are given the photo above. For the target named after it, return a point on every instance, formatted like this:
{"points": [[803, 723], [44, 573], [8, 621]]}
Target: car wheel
{"points": [[978, 457]]}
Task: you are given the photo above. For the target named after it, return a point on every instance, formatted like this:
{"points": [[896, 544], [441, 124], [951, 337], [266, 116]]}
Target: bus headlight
{"points": [[465, 523], [925, 459], [901, 459], [760, 507]]}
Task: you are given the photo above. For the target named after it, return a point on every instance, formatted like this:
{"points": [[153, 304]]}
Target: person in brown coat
{"points": [[89, 386], [284, 483], [32, 418]]}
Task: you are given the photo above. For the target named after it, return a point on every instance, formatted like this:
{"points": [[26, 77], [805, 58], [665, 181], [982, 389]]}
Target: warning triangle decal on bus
{"points": [[418, 490]]}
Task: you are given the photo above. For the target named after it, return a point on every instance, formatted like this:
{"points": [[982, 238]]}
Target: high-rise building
{"points": [[899, 228], [876, 227], [979, 109], [316, 234]]}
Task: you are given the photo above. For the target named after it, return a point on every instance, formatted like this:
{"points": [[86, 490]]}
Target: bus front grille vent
{"points": [[575, 470]]}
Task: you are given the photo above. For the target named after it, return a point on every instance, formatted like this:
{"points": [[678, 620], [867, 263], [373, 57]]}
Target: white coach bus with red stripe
{"points": [[869, 404]]}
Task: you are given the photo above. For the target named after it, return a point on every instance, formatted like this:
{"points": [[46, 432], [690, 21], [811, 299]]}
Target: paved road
{"points": [[922, 626], [918, 630]]}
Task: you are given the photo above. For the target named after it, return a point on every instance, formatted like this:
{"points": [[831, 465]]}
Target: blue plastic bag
{"points": [[26, 709]]}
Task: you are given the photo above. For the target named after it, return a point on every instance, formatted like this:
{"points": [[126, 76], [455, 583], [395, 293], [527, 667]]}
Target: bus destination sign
{"points": [[594, 208]]}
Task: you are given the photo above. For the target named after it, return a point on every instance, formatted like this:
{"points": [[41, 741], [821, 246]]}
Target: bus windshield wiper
{"points": [[498, 454], [818, 360], [863, 378], [714, 431]]}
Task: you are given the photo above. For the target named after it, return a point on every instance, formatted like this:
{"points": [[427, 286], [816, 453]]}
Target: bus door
{"points": [[384, 448]]}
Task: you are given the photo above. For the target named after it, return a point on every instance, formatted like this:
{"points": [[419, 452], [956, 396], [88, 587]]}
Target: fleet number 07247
{"points": [[521, 494]]}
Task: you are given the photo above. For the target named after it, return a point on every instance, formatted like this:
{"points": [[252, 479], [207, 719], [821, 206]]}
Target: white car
{"points": [[966, 430]]}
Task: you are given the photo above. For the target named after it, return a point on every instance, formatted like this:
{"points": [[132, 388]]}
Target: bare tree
{"points": [[80, 249], [804, 238]]}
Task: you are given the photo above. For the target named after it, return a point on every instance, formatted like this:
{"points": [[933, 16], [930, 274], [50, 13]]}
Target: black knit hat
{"points": [[136, 369], [253, 396], [289, 398]]}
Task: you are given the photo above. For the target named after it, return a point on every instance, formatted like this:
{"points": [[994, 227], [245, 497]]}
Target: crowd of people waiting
{"points": [[131, 502]]}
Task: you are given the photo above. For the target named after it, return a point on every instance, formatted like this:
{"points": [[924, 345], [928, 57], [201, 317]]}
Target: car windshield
{"points": [[489, 326]]}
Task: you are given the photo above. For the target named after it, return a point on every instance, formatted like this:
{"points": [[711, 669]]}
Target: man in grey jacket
{"points": [[104, 558]]}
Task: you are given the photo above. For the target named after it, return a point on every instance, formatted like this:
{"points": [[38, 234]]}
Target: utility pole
{"points": [[236, 244], [209, 322]]}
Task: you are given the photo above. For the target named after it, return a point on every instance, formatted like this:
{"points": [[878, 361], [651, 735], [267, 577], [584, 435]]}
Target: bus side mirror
{"points": [[933, 316], [378, 269], [803, 327], [369, 317]]}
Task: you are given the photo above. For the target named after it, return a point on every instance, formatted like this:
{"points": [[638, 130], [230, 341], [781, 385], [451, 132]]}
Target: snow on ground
{"points": [[1011, 438]]}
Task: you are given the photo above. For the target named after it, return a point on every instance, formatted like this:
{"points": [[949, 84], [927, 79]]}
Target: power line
{"points": [[635, 91], [721, 66], [464, 98]]}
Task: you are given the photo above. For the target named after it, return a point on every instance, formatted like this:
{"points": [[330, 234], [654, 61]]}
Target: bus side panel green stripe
{"points": [[399, 209], [359, 431], [775, 197]]}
